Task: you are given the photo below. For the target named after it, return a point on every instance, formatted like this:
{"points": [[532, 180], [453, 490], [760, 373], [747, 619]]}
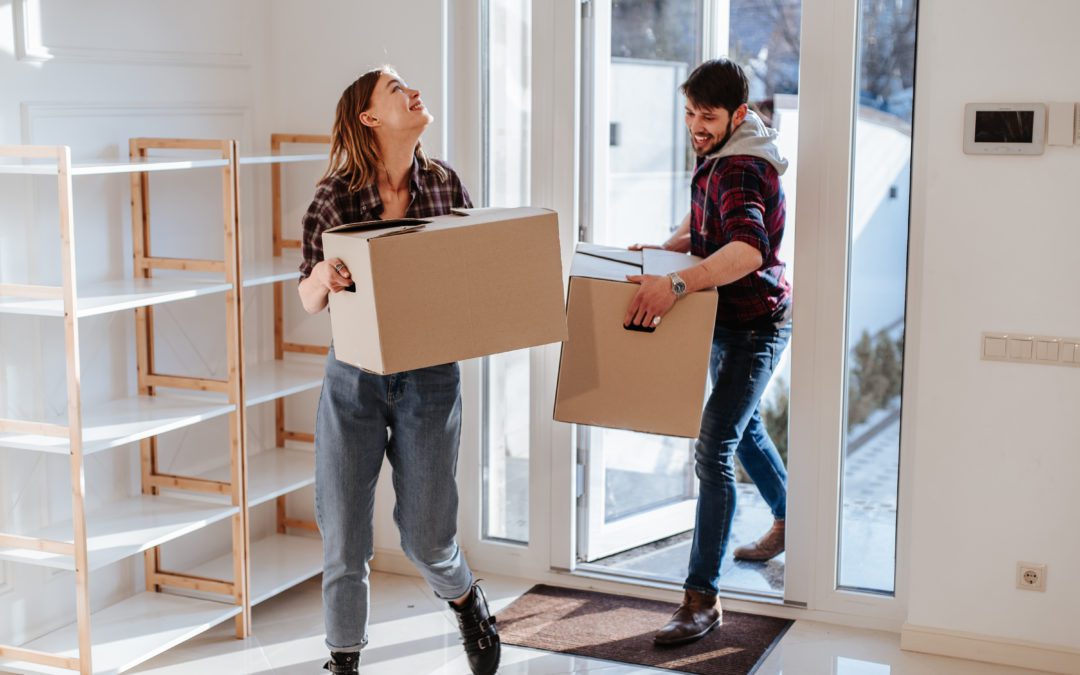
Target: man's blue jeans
{"points": [[414, 419], [742, 363]]}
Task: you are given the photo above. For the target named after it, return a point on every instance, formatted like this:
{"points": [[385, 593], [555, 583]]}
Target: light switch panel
{"points": [[1044, 350], [1061, 127], [1070, 353], [1047, 350], [1020, 349], [994, 347]]}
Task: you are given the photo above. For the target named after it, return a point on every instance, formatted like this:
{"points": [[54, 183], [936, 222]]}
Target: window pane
{"points": [[507, 110], [506, 456], [764, 37], [876, 300], [654, 45]]}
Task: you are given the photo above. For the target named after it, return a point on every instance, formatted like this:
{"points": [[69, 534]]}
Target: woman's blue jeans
{"points": [[414, 420]]}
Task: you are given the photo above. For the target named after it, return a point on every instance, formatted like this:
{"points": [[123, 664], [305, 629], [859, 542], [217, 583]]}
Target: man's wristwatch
{"points": [[678, 286]]}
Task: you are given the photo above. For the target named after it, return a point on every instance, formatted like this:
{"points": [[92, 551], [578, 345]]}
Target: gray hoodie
{"points": [[755, 139], [751, 138]]}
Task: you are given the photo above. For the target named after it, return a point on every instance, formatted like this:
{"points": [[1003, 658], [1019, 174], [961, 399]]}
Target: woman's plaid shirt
{"points": [[334, 205]]}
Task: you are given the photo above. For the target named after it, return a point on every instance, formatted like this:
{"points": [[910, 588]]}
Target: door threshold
{"points": [[645, 580]]}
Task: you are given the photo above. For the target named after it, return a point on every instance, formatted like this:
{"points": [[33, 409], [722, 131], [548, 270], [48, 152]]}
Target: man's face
{"points": [[709, 127]]}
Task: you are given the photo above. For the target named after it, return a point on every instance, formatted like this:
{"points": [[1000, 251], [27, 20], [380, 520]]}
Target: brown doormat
{"points": [[619, 628]]}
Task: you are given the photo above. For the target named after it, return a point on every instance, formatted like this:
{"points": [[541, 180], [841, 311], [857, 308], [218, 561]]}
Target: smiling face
{"points": [[396, 108], [710, 127]]}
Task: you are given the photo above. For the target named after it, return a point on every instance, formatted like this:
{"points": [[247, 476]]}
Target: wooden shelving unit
{"points": [[121, 636], [177, 605], [283, 559]]}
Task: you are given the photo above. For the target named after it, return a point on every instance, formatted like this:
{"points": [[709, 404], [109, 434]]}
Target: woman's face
{"points": [[395, 107]]}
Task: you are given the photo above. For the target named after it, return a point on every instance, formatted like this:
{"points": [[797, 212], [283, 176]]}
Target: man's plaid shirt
{"points": [[742, 201], [334, 205]]}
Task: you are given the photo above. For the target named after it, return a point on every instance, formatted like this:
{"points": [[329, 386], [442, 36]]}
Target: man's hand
{"points": [[638, 247], [332, 275], [654, 299]]}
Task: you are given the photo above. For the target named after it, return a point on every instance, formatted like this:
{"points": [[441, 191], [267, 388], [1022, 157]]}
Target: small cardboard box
{"points": [[432, 291], [610, 376]]}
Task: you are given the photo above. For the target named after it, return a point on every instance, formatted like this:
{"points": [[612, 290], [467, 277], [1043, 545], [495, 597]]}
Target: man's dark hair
{"points": [[720, 83]]}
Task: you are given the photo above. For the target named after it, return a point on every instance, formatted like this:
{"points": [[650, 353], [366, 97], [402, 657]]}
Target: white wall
{"points": [[93, 76], [996, 447], [318, 49], [208, 70]]}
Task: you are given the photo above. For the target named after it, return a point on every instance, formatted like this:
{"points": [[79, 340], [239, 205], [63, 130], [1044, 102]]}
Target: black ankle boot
{"points": [[345, 663], [478, 632]]}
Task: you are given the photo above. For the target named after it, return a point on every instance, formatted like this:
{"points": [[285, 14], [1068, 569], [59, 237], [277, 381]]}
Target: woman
{"points": [[379, 171]]}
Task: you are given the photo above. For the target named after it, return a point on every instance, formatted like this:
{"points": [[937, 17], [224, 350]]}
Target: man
{"points": [[736, 223]]}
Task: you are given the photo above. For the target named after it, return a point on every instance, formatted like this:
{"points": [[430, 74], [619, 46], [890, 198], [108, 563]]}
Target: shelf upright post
{"points": [[280, 346], [74, 408], [144, 337], [237, 429]]}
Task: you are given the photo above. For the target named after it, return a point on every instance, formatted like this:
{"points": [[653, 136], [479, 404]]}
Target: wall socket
{"points": [[1030, 576]]}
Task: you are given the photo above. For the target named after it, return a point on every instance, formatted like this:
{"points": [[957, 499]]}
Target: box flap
{"points": [[661, 262], [613, 253], [604, 262], [489, 214], [465, 218], [373, 229]]}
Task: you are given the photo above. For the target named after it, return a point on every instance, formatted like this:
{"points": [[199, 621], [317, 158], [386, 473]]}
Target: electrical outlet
{"points": [[1030, 576]]}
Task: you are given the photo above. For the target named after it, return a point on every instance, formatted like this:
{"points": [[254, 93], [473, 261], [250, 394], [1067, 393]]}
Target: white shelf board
{"points": [[272, 473], [115, 296], [269, 380], [129, 632], [105, 166], [283, 158], [123, 528], [123, 421], [278, 563], [271, 270]]}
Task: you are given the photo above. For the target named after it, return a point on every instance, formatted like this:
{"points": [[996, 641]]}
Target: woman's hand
{"points": [[328, 276], [654, 299], [638, 247], [332, 275]]}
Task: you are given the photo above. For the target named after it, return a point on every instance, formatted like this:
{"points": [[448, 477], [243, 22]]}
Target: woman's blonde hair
{"points": [[354, 150]]}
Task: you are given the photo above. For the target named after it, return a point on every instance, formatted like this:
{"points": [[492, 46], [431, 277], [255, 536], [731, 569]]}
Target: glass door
{"points": [[638, 496], [636, 489]]}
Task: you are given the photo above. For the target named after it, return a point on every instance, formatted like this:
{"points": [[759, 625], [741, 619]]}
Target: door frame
{"points": [[827, 116]]}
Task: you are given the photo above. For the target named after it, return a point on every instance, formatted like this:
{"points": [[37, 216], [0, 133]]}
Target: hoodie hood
{"points": [[755, 139]]}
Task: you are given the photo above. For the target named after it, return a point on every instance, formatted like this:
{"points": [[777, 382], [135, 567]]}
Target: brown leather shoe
{"points": [[766, 548], [697, 615]]}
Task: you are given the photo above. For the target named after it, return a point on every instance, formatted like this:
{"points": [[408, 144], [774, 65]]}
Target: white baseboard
{"points": [[1051, 658]]}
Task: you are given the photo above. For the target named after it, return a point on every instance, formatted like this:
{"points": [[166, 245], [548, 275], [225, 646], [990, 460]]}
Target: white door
{"points": [[635, 488]]}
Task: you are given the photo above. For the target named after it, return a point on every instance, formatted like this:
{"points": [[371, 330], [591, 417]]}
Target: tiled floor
{"points": [[412, 633]]}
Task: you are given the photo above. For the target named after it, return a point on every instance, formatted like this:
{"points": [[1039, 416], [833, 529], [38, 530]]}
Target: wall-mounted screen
{"points": [[1004, 128]]}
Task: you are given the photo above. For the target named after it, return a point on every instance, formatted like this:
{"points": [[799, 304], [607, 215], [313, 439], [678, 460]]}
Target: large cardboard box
{"points": [[437, 290], [610, 376]]}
